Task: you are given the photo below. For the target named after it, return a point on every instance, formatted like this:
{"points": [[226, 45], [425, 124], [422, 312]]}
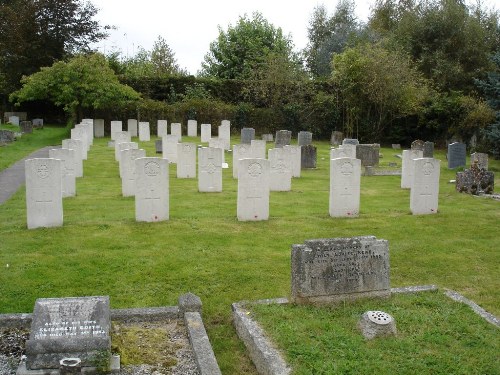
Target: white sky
{"points": [[188, 26]]}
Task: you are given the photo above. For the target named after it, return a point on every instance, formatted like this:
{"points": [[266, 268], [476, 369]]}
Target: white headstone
{"points": [[144, 134], [116, 126], [152, 189], [169, 148], [43, 193], [118, 152], [128, 157], [343, 151], [253, 190], [241, 151], [120, 137], [225, 133], [176, 129], [345, 179], [99, 128], [218, 143], [206, 132], [68, 178], [132, 127], [186, 160], [192, 128], [85, 128], [209, 170], [425, 186], [280, 173], [294, 154], [81, 135], [89, 124], [77, 145], [162, 128], [407, 167], [258, 148]]}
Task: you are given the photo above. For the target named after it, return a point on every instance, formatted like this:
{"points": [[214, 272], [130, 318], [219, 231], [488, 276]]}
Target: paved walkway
{"points": [[12, 178]]}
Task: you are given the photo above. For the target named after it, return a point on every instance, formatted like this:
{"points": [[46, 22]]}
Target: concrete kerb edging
{"points": [[268, 360], [198, 338]]}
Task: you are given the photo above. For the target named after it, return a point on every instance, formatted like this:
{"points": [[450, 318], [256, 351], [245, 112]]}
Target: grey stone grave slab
{"points": [[339, 269], [159, 146], [76, 327], [283, 137], [456, 155], [308, 157], [475, 181], [368, 154], [428, 149], [481, 159], [37, 123], [417, 145], [26, 127], [304, 138], [350, 141], [247, 134], [6, 136], [336, 138]]}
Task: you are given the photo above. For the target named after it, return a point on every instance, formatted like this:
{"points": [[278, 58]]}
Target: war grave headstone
{"points": [[77, 145], [176, 130], [152, 189], [144, 134], [89, 125], [241, 151], [304, 138], [332, 270], [295, 156], [169, 148], [124, 146], [116, 126], [481, 158], [350, 141], [161, 128], [247, 134], [6, 136], [336, 138], [424, 192], [456, 155], [475, 181], [267, 137], [43, 193], [417, 145], [89, 134], [121, 137], [99, 128], [26, 127], [280, 173], [37, 123], [192, 128], [225, 133], [128, 174], [407, 167], [368, 154], [219, 144], [258, 149], [428, 149], [68, 177], [342, 152], [76, 327], [345, 180], [283, 137], [253, 190], [308, 157], [81, 135], [159, 146], [186, 160], [14, 120], [133, 127], [209, 170], [206, 132]]}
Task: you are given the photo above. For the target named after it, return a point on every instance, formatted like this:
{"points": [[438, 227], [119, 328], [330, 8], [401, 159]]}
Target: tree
{"points": [[163, 58], [84, 82], [243, 47]]}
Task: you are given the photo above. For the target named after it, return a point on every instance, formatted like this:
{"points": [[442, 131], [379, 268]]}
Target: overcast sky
{"points": [[188, 26]]}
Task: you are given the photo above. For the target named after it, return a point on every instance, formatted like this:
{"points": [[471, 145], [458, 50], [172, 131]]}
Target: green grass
{"points": [[49, 135], [203, 249], [435, 335]]}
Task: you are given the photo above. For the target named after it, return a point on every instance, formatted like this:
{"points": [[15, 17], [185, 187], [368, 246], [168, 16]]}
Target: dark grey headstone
{"points": [[283, 137], [336, 138], [158, 146], [368, 154], [69, 328], [26, 127], [337, 269], [456, 155], [308, 157], [305, 138], [428, 149], [247, 134], [417, 145], [6, 136], [37, 123], [350, 141], [475, 181]]}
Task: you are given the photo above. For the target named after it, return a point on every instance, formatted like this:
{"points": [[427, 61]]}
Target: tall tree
{"points": [[163, 58]]}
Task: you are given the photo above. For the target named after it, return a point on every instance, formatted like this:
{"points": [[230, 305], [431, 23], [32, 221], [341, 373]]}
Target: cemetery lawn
{"points": [[203, 249], [28, 143]]}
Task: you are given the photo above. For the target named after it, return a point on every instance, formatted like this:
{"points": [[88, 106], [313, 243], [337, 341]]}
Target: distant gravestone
{"points": [[258, 149], [368, 154], [89, 133], [280, 173], [456, 155], [6, 136], [169, 148], [253, 190], [77, 145], [161, 128], [407, 167], [176, 130], [247, 134], [341, 152], [481, 159], [69, 328], [132, 127], [119, 147], [81, 135], [151, 189], [192, 128], [336, 138], [283, 137], [338, 269], [396, 146], [144, 132], [14, 120], [424, 191], [23, 116], [116, 126], [350, 141], [44, 193], [308, 157], [428, 149], [26, 127], [206, 132], [99, 128], [209, 170], [241, 151], [304, 138], [345, 179], [158, 146], [417, 145], [219, 144], [68, 177], [225, 133], [475, 181], [186, 160], [267, 137], [128, 169], [294, 154]]}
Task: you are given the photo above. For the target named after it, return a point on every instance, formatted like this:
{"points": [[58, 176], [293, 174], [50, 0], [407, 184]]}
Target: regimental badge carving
{"points": [[152, 169], [42, 171], [347, 168], [255, 169], [211, 168], [427, 169]]}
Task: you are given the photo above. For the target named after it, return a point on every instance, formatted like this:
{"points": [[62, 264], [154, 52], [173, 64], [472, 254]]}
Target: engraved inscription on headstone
{"points": [[209, 170], [253, 190], [152, 189], [424, 192], [345, 178], [186, 160]]}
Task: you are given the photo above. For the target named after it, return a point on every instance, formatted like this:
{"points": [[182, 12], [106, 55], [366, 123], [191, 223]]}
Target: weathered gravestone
{"points": [[456, 155], [247, 134], [77, 145], [169, 148], [99, 128], [294, 154], [308, 157], [144, 132], [336, 138], [480, 158], [280, 174], [206, 132], [6, 136], [304, 138], [241, 151], [37, 123], [158, 146], [132, 127], [186, 160], [345, 179], [475, 181], [283, 137], [417, 145], [23, 116], [26, 127], [350, 141], [68, 177], [368, 154], [116, 126], [424, 191], [253, 190], [339, 269], [151, 190], [341, 152], [192, 128], [14, 120], [161, 128], [428, 149], [69, 328], [210, 170]]}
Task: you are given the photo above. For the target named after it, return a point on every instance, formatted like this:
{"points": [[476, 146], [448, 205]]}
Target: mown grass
{"points": [[101, 250]]}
